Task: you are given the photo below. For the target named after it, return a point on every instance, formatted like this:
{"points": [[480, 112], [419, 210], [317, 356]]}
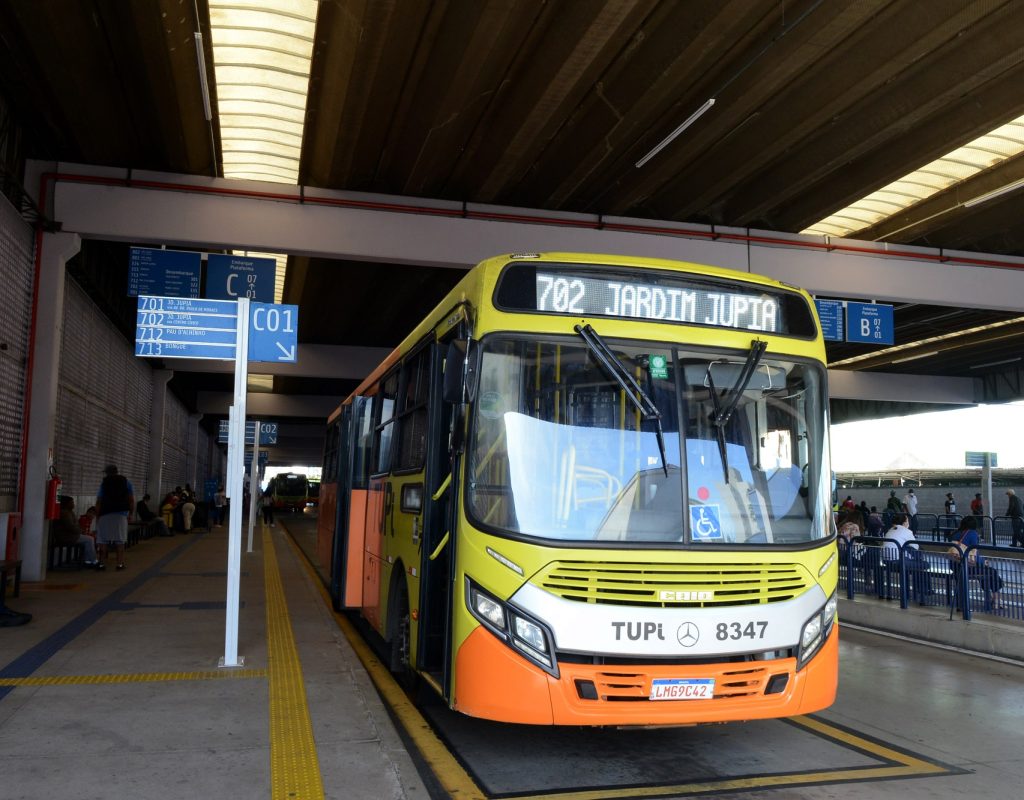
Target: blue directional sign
{"points": [[268, 432], [167, 273], [973, 458], [264, 458], [830, 312], [168, 327], [229, 277], [871, 323], [273, 332]]}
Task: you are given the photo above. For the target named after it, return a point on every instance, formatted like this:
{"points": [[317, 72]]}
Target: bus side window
{"points": [[384, 413], [412, 419]]}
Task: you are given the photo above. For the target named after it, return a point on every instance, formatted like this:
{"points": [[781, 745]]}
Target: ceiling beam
{"points": [[220, 213], [260, 405]]}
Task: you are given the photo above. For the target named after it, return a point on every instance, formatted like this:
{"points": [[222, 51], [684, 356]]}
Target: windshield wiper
{"points": [[720, 414], [615, 369]]}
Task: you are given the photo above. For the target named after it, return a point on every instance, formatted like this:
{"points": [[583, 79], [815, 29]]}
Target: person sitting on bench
{"points": [[148, 517], [64, 531]]}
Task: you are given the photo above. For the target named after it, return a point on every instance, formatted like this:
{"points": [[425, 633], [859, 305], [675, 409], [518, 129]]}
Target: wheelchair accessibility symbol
{"points": [[705, 523]]}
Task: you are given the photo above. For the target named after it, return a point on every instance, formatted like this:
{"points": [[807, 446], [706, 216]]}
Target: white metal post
{"points": [[236, 468], [986, 488], [254, 482]]}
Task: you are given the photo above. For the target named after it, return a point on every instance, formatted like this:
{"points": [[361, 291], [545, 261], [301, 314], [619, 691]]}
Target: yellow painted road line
{"points": [[907, 766], [448, 771], [138, 677], [294, 766]]}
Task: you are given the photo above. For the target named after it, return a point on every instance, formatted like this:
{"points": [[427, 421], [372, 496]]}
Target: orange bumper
{"points": [[494, 682]]}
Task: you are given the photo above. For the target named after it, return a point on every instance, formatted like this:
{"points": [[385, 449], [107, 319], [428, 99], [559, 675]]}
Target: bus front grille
{"points": [[623, 686], [691, 585]]}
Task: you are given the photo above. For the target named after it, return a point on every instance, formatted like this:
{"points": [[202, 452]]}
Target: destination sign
{"points": [[578, 294], [268, 432], [163, 272], [168, 327]]}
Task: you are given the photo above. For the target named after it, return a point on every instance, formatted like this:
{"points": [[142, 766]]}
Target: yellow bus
{"points": [[594, 490]]}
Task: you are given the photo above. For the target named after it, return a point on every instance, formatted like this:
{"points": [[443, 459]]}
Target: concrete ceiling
{"points": [[549, 105]]}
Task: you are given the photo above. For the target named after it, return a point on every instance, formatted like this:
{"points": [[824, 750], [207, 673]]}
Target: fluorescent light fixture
{"points": [[668, 139], [945, 337], [996, 363], [978, 155], [262, 51], [204, 85], [914, 358], [256, 382], [984, 198]]}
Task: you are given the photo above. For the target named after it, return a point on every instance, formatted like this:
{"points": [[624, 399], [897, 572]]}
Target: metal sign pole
{"points": [[236, 438], [986, 487], [254, 482]]}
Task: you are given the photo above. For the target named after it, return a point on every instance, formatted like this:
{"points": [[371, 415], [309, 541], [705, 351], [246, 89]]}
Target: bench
{"points": [[66, 556], [13, 565]]}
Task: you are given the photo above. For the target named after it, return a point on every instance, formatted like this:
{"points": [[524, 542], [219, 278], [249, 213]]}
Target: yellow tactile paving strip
{"points": [[294, 766], [446, 768], [138, 677]]}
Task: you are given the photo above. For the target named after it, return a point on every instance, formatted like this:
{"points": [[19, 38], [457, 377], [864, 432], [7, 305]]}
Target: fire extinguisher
{"points": [[53, 496]]}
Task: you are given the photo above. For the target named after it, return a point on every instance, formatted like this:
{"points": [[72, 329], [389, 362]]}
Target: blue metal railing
{"points": [[932, 574]]}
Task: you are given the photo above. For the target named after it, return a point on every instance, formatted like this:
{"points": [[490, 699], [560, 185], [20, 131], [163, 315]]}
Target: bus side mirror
{"points": [[461, 371]]}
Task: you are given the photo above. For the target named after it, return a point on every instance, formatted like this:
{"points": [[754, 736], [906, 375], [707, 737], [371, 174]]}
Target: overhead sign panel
{"points": [[229, 277], [870, 323], [976, 459], [273, 332], [264, 458], [166, 273], [268, 432], [830, 312], [168, 327]]}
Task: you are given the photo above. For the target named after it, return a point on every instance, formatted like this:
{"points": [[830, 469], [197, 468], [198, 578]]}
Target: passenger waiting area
{"points": [[933, 570]]}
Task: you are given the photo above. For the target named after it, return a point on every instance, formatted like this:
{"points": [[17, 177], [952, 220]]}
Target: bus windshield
{"points": [[560, 451]]}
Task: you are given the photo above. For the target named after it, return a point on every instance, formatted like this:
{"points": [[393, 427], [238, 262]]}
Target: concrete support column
{"points": [[56, 249], [192, 456], [156, 433]]}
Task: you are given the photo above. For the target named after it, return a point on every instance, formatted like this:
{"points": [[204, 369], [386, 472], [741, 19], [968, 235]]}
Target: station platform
{"points": [[113, 689]]}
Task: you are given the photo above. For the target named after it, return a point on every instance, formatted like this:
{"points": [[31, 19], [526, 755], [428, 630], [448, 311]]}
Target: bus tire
{"points": [[398, 626]]}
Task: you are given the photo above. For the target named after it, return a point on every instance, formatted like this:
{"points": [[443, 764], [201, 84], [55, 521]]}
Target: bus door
{"points": [[439, 535], [379, 497], [343, 501]]}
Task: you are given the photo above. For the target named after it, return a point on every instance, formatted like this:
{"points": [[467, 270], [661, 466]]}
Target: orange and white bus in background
{"points": [[594, 490]]}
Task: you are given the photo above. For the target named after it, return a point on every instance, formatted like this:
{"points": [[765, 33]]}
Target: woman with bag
{"points": [[966, 540]]}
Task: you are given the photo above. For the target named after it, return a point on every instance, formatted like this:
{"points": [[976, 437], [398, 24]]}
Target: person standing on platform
{"points": [[893, 503], [950, 503], [220, 502], [114, 503], [1015, 511], [910, 507], [977, 507], [267, 504]]}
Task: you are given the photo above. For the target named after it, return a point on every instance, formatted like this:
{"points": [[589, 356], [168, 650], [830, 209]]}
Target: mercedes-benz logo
{"points": [[688, 634]]}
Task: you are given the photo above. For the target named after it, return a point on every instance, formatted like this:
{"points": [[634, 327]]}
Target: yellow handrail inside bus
{"points": [[440, 546], [442, 488]]}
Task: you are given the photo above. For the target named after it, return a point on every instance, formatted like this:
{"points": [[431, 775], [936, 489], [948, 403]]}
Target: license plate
{"points": [[682, 689]]}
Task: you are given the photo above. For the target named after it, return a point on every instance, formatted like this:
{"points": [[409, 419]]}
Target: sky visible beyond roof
{"points": [[937, 440]]}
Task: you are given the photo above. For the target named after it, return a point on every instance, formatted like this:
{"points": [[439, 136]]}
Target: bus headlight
{"points": [[816, 630], [488, 608], [527, 636], [530, 633]]}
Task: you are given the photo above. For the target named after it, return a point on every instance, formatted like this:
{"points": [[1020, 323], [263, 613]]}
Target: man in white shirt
{"points": [[910, 505], [899, 535]]}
